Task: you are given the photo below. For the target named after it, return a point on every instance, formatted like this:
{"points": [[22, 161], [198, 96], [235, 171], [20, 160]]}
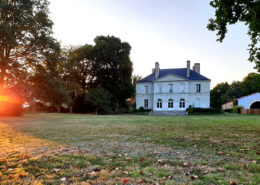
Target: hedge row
{"points": [[197, 111]]}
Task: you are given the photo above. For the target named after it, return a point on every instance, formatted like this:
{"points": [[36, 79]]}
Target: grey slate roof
{"points": [[182, 72]]}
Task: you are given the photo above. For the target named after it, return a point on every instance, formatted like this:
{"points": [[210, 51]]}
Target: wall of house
{"points": [[160, 89], [201, 99], [141, 95]]}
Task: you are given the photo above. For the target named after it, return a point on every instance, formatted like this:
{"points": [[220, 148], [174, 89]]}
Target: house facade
{"points": [[173, 89]]}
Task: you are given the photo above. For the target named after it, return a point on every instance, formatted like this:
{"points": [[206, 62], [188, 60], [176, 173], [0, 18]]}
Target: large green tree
{"points": [[29, 55], [25, 39], [217, 95], [77, 69], [251, 83], [229, 12], [112, 68]]}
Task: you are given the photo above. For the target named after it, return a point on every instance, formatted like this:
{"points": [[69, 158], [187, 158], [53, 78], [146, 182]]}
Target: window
{"points": [[170, 103], [145, 103], [182, 87], [146, 89], [182, 103], [159, 103], [198, 88], [170, 88]]}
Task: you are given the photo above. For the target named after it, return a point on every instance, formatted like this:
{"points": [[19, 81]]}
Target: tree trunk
{"points": [[2, 74]]}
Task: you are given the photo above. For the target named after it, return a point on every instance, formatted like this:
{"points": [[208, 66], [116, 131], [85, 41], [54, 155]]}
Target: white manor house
{"points": [[168, 91]]}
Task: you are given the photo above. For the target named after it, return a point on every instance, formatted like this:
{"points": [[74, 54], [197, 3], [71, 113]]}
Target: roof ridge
{"points": [[181, 72]]}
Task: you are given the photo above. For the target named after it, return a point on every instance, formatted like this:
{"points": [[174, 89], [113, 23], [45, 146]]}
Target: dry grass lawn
{"points": [[129, 149]]}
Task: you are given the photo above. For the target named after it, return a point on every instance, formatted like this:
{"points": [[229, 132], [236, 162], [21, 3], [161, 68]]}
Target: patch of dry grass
{"points": [[128, 149]]}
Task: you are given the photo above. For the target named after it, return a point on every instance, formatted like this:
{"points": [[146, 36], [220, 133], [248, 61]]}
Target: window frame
{"points": [[170, 103], [159, 103], [146, 104], [198, 88], [182, 103]]}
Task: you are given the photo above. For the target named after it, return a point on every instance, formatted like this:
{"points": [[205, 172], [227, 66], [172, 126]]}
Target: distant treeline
{"points": [[225, 92]]}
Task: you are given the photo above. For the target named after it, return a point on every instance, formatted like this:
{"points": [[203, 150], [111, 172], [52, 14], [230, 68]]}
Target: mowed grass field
{"points": [[129, 149]]}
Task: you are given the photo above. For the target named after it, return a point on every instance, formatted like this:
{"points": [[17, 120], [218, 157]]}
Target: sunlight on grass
{"points": [[118, 149], [16, 149], [12, 142]]}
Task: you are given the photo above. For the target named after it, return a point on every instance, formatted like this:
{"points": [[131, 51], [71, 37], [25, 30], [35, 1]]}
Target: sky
{"points": [[166, 31]]}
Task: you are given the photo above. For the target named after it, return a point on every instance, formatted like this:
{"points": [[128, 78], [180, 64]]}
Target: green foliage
{"points": [[104, 65], [100, 99], [77, 70], [225, 92], [112, 68], [236, 109], [49, 89], [251, 83], [198, 111], [141, 109], [31, 56], [217, 97], [233, 11], [25, 39], [227, 110]]}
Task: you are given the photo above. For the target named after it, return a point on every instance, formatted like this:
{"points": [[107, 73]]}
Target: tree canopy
{"points": [[112, 68], [229, 12], [225, 92], [104, 67], [25, 37], [29, 54]]}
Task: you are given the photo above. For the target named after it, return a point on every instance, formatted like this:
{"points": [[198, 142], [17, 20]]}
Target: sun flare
{"points": [[10, 103]]}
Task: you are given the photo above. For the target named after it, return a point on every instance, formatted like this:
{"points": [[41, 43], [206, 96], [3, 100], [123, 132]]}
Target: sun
{"points": [[9, 99], [10, 103]]}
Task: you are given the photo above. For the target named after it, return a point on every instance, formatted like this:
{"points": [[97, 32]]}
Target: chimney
{"points": [[188, 69], [196, 67], [157, 70]]}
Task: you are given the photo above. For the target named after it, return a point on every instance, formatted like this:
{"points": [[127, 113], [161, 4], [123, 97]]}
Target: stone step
{"points": [[168, 113]]}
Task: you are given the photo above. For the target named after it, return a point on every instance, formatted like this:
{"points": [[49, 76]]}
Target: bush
{"points": [[198, 111], [236, 109], [141, 109], [228, 110], [122, 110], [10, 109]]}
